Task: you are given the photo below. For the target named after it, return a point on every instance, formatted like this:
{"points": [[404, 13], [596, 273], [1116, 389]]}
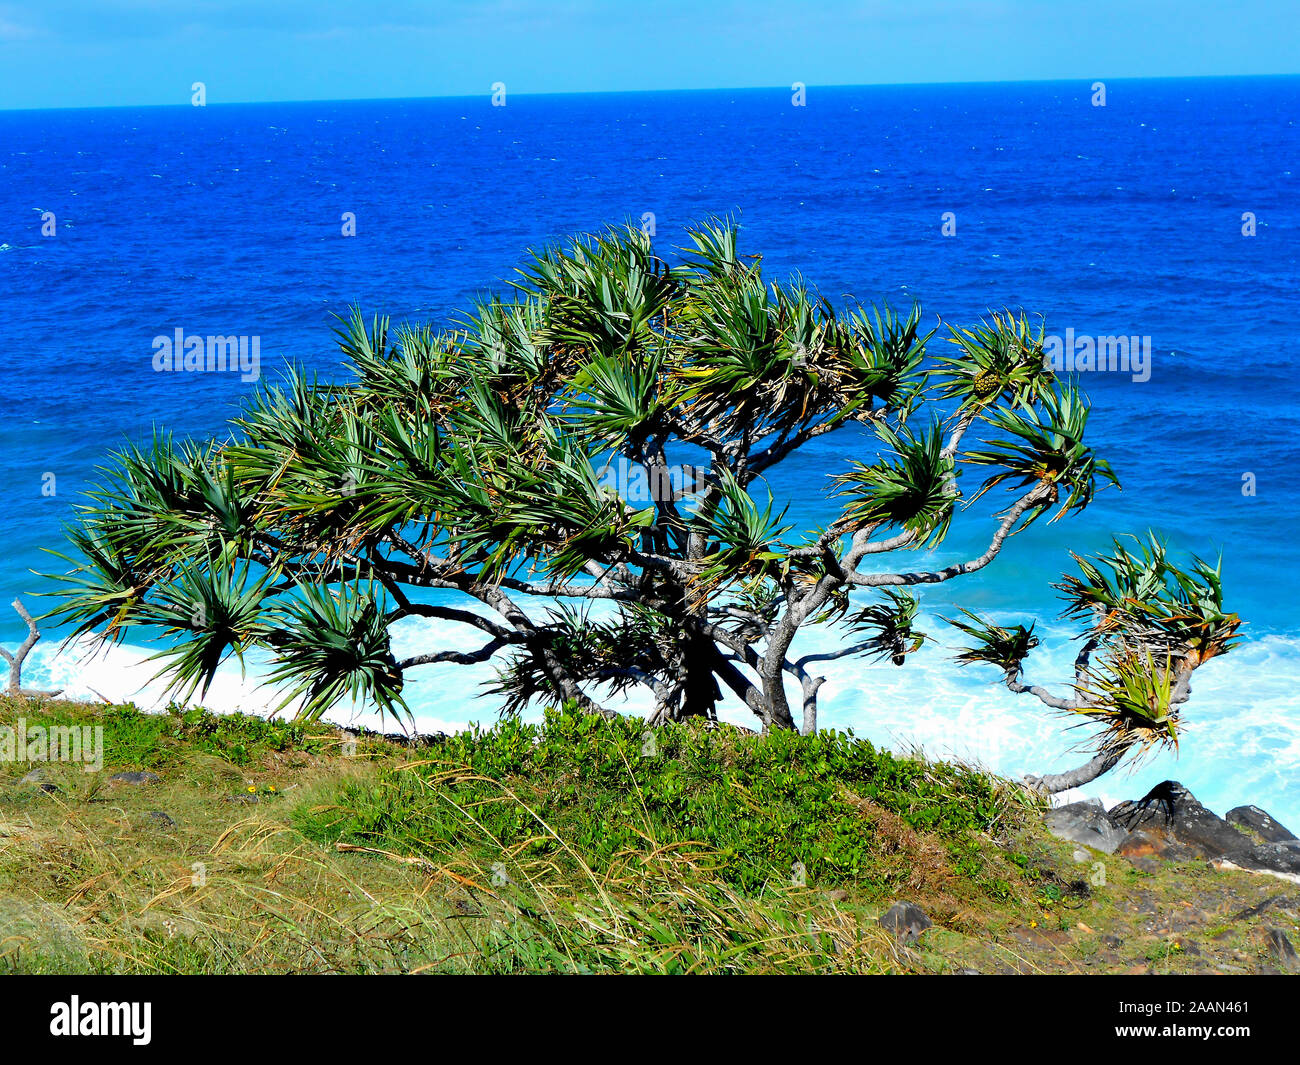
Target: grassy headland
{"points": [[582, 845]]}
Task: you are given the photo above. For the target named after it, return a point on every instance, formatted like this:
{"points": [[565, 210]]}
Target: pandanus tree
{"points": [[463, 475]]}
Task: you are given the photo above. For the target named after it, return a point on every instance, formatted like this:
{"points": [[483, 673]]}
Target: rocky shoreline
{"points": [[1170, 824]]}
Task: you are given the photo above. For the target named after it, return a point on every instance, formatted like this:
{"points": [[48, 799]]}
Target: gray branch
{"points": [[461, 658], [1084, 774], [17, 658], [1040, 493], [1042, 694]]}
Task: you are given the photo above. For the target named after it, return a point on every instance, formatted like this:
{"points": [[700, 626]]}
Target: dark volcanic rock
{"points": [[1169, 822], [1086, 823], [1170, 812], [134, 778], [1139, 861], [41, 779], [1277, 858], [1259, 820], [905, 920], [1282, 951], [161, 819], [1287, 904], [1144, 843]]}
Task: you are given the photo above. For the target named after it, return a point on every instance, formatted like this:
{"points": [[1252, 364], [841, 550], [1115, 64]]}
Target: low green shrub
{"points": [[761, 807]]}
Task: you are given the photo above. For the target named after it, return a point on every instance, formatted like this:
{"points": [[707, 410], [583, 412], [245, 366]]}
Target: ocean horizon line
{"points": [[779, 88]]}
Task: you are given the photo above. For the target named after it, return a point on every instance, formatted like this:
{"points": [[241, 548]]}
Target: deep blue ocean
{"points": [[1118, 220]]}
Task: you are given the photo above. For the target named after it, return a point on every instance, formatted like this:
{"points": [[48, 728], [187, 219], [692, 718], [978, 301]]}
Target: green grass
{"points": [[570, 846], [828, 808], [138, 740]]}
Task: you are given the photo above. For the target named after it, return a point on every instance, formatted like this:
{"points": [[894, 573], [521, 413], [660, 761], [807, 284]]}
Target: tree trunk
{"points": [[810, 686], [1076, 778], [778, 706], [700, 691], [17, 658]]}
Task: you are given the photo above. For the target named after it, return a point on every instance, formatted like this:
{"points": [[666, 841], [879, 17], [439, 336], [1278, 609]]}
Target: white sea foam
{"points": [[1241, 741]]}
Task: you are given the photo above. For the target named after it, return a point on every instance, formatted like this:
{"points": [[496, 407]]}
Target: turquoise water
{"points": [[1123, 220]]}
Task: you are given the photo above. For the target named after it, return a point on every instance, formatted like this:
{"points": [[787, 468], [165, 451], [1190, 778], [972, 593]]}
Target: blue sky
{"points": [[84, 53]]}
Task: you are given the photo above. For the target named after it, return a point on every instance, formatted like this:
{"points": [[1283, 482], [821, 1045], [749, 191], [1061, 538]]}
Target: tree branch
{"points": [[1084, 774], [1040, 493], [463, 658], [1042, 694], [17, 658]]}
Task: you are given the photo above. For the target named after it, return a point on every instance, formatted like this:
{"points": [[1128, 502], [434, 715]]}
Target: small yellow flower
{"points": [[252, 788], [270, 787]]}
